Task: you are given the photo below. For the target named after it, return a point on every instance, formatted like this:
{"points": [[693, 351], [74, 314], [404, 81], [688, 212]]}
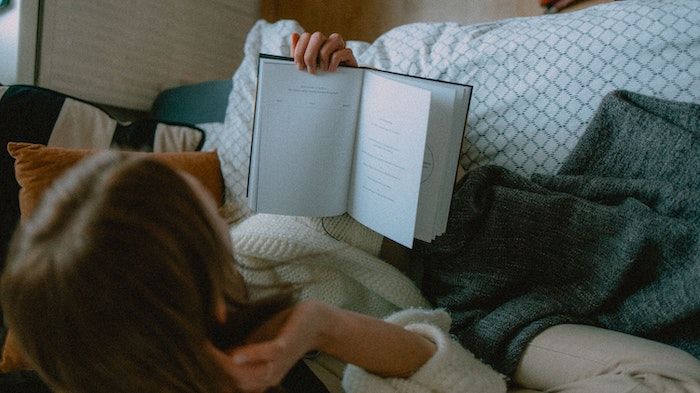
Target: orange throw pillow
{"points": [[38, 166]]}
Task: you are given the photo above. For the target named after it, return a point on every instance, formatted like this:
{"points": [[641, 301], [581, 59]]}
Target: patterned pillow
{"points": [[537, 81]]}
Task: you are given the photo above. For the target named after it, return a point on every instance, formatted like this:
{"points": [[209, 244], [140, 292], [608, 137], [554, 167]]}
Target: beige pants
{"points": [[577, 358]]}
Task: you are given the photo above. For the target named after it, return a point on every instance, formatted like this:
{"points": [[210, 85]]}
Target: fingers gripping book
{"points": [[381, 146]]}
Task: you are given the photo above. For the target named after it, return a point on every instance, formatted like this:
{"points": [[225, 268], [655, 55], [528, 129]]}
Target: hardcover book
{"points": [[381, 146]]}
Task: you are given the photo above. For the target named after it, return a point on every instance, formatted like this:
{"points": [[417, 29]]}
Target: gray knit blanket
{"points": [[612, 240]]}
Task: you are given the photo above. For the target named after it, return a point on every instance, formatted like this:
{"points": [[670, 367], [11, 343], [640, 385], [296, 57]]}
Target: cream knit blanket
{"points": [[277, 249]]}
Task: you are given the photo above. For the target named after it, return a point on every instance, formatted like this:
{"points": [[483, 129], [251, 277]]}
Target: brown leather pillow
{"points": [[38, 166]]}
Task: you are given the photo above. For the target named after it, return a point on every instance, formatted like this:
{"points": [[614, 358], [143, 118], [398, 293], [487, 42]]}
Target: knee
{"points": [[585, 358]]}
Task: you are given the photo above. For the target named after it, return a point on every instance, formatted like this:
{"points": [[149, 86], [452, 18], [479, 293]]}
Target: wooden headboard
{"points": [[367, 19]]}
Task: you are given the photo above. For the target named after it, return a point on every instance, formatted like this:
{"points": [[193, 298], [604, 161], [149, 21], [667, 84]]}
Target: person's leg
{"points": [[578, 358]]}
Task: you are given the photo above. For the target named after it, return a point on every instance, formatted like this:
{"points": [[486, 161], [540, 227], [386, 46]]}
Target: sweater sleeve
{"points": [[451, 369]]}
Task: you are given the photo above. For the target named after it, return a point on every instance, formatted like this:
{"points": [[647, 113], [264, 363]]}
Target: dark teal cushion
{"points": [[193, 104]]}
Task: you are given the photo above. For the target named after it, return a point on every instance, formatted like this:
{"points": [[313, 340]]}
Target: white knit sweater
{"points": [[292, 249]]}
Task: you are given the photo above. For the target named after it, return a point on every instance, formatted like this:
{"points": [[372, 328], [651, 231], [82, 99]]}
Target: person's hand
{"points": [[318, 52], [273, 349]]}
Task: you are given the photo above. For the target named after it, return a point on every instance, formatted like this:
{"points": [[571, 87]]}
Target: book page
{"points": [[436, 150], [445, 131], [388, 159], [303, 139]]}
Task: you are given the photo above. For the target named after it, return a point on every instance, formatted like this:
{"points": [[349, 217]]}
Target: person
{"points": [[126, 279]]}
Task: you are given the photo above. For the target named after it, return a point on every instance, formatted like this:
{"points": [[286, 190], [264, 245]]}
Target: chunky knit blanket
{"points": [[612, 240], [272, 250]]}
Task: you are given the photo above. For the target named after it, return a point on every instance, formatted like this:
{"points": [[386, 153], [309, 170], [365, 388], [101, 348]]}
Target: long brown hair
{"points": [[112, 284]]}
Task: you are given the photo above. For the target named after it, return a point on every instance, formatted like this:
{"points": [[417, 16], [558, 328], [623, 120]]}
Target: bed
{"points": [[537, 83]]}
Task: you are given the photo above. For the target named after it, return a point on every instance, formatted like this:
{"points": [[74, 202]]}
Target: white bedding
{"points": [[537, 81]]}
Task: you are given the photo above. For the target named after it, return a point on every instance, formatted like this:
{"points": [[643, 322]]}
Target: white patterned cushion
{"points": [[537, 80]]}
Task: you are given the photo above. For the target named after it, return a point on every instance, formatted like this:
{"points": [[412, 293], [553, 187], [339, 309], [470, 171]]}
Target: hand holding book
{"points": [[316, 51]]}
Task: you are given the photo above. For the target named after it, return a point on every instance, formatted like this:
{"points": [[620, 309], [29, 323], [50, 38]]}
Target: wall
{"points": [[124, 52], [18, 30], [367, 19]]}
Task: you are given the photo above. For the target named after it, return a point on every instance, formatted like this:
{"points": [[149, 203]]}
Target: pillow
{"points": [[537, 80], [38, 166], [203, 102]]}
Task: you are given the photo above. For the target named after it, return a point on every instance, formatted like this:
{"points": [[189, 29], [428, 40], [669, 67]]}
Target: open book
{"points": [[380, 146]]}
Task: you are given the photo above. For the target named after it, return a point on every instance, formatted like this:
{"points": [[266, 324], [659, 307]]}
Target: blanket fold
{"points": [[612, 240]]}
